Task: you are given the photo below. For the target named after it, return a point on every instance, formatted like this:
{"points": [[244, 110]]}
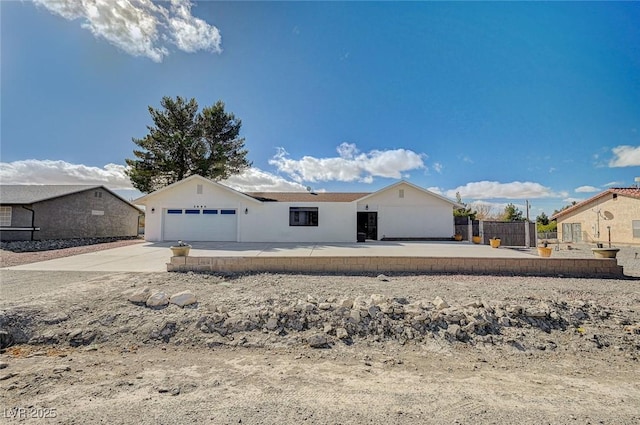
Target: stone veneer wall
{"points": [[601, 268]]}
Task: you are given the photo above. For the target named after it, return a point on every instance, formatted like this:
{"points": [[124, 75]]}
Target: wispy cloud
{"points": [[141, 27], [586, 189], [625, 156], [497, 190], [351, 165]]}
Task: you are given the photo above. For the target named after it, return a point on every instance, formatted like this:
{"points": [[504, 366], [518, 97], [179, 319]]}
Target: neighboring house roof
{"points": [[22, 194], [631, 192], [307, 196]]}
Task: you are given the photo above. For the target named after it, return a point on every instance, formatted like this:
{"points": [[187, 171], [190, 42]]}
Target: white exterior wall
{"points": [[185, 196], [416, 215], [269, 222], [263, 222]]}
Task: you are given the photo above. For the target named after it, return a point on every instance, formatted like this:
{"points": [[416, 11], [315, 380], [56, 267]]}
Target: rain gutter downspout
{"points": [[33, 220]]}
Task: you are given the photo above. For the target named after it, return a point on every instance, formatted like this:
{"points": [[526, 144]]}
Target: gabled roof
{"points": [[23, 194], [307, 196], [425, 191], [145, 198], [631, 192]]}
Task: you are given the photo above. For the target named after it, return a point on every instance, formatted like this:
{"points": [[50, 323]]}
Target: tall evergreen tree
{"points": [[183, 142]]}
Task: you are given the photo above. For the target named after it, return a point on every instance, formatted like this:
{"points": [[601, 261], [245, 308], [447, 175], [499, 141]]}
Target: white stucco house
{"points": [[199, 209]]}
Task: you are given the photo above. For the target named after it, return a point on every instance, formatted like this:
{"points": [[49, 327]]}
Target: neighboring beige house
{"points": [[615, 211]]}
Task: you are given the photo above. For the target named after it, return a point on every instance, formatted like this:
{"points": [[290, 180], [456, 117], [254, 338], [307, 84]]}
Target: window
{"points": [[401, 193], [192, 211], [209, 211], [5, 216], [230, 212], [199, 189], [303, 216], [635, 225], [97, 194], [174, 211]]}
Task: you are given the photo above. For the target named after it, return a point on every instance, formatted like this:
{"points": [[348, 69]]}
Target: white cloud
{"points": [[256, 180], [586, 189], [351, 165], [625, 156], [497, 190], [140, 27], [33, 171], [438, 167], [613, 184], [572, 200]]}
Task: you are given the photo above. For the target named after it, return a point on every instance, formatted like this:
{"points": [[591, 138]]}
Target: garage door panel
{"points": [[200, 225]]}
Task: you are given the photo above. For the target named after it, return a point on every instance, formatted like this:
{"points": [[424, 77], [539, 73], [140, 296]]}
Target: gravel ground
{"points": [[82, 353], [77, 351]]}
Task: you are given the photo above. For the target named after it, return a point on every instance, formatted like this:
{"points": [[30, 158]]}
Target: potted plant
{"points": [[494, 242], [181, 249], [476, 239], [457, 236], [544, 250]]}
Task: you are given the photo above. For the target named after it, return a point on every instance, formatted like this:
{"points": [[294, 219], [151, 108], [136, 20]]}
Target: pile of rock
{"points": [[159, 299], [381, 318]]}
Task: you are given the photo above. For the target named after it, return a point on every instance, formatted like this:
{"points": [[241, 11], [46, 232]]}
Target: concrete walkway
{"points": [[153, 257]]}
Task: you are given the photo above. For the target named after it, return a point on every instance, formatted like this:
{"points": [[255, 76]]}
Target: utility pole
{"points": [[527, 237]]}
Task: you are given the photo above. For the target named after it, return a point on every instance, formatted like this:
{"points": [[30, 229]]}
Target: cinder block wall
{"points": [[85, 215], [602, 268]]}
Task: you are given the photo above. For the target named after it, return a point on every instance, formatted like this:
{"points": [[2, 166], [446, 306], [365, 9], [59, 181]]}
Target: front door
{"points": [[368, 224]]}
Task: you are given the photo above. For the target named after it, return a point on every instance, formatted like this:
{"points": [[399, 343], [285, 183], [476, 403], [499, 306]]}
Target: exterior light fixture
{"points": [[246, 210], [366, 207], [153, 210]]}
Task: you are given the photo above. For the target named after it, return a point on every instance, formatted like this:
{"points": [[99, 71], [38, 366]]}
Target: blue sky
{"points": [[502, 102]]}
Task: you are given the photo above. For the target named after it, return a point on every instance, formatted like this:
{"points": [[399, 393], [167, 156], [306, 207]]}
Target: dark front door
{"points": [[368, 224]]}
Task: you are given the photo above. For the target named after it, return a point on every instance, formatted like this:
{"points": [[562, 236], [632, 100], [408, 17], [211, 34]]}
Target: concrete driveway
{"points": [[153, 257]]}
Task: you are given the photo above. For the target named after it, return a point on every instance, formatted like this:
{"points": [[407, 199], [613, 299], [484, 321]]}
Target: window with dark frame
{"points": [[303, 216]]}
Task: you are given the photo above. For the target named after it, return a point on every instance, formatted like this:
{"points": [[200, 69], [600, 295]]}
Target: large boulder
{"points": [[183, 298]]}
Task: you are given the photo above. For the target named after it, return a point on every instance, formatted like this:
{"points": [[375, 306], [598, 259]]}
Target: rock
{"points": [[383, 278], [4, 365], [355, 316], [140, 296], [346, 303], [377, 299], [454, 331], [373, 311], [328, 328], [439, 303], [183, 298], [272, 324], [317, 341], [324, 306], [158, 299], [341, 333], [311, 299]]}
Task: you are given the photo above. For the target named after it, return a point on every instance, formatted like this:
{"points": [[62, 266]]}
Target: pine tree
{"points": [[183, 142]]}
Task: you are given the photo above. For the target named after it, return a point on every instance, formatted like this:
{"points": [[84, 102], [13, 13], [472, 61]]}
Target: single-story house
{"points": [[615, 210], [199, 209], [39, 212]]}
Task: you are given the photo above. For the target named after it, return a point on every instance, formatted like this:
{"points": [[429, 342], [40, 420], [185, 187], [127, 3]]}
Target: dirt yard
{"points": [[290, 349]]}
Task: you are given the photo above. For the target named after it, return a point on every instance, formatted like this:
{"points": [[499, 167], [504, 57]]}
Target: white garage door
{"points": [[190, 225]]}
